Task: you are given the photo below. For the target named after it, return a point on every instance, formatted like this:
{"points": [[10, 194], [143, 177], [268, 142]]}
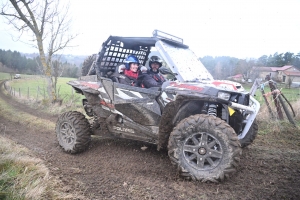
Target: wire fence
{"points": [[40, 94]]}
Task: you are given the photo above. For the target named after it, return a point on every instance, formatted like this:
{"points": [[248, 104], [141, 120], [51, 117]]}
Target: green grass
{"points": [[9, 172], [21, 175], [4, 76], [35, 87], [7, 76]]}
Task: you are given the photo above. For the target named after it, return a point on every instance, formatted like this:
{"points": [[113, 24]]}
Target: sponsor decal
{"points": [[186, 86], [127, 94], [93, 85], [102, 102], [127, 130], [224, 85]]}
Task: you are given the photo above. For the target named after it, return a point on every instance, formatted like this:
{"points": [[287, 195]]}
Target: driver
{"points": [[153, 78]]}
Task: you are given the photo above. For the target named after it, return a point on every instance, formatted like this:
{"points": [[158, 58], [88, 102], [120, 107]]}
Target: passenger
{"points": [[153, 78], [130, 73]]}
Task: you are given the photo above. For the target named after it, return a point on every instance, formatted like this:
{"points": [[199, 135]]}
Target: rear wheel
{"points": [[204, 148], [73, 132]]}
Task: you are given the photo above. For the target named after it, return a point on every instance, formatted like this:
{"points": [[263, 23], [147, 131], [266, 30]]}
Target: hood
{"points": [[228, 85], [199, 86]]}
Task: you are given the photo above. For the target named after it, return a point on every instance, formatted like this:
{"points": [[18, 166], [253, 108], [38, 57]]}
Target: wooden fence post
{"points": [[28, 93], [58, 92], [37, 94]]}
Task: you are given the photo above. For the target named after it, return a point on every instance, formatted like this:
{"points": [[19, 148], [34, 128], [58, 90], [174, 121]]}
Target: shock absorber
{"points": [[212, 110]]}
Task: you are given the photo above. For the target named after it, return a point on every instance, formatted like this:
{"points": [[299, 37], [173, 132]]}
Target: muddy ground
{"points": [[120, 169]]}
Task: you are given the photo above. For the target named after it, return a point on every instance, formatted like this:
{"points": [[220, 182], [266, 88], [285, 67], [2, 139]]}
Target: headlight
{"points": [[224, 95]]}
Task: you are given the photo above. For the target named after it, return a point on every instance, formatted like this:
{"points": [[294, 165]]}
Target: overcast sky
{"points": [[237, 28]]}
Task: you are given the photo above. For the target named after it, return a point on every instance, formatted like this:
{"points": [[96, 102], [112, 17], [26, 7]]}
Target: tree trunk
{"points": [[47, 70]]}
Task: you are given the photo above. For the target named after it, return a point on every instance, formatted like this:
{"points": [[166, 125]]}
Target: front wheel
{"points": [[73, 132], [250, 136], [204, 148]]}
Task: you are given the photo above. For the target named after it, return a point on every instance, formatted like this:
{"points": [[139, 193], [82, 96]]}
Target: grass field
{"points": [[35, 87], [7, 76], [4, 76]]}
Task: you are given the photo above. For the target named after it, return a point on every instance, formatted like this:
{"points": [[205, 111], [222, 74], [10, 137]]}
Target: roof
{"points": [[262, 69], [281, 68], [272, 69], [135, 42], [291, 73], [237, 76]]}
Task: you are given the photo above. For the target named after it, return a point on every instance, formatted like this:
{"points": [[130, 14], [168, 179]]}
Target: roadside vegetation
{"points": [[22, 176]]}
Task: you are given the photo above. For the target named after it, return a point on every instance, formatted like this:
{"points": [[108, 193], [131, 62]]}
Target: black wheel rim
{"points": [[67, 133], [202, 151]]}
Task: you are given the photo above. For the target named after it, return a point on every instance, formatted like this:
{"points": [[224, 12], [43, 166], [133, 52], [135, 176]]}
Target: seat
{"points": [[119, 70]]}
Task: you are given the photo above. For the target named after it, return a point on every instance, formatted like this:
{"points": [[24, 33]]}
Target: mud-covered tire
{"points": [[204, 148], [87, 63], [250, 136], [73, 132]]}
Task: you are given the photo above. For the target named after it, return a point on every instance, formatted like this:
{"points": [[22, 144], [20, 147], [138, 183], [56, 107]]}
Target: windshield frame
{"points": [[183, 62]]}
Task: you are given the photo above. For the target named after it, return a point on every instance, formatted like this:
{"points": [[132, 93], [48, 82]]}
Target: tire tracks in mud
{"points": [[120, 171]]}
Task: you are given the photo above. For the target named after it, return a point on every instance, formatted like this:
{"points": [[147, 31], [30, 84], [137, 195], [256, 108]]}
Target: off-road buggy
{"points": [[203, 123]]}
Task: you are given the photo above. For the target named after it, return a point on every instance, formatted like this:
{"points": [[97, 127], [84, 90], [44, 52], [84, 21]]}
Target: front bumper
{"points": [[251, 111]]}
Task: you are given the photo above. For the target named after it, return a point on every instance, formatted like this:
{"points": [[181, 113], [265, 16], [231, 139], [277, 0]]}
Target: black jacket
{"points": [[150, 79]]}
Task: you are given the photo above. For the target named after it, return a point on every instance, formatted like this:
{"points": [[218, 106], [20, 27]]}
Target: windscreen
{"points": [[184, 62]]}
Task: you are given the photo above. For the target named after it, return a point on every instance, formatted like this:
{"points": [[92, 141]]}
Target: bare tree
{"points": [[49, 24], [58, 69]]}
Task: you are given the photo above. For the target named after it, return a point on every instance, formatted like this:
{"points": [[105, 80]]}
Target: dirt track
{"points": [[119, 169]]}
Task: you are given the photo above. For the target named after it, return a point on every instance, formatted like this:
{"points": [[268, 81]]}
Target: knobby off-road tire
{"points": [[250, 136], [204, 148], [73, 132], [87, 63]]}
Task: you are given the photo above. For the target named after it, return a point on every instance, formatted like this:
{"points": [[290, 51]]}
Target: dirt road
{"points": [[120, 169]]}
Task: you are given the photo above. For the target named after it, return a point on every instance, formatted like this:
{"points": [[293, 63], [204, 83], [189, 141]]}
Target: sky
{"points": [[236, 28]]}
